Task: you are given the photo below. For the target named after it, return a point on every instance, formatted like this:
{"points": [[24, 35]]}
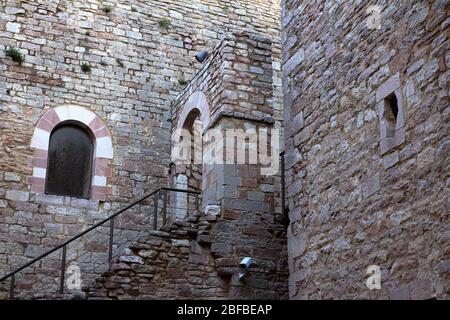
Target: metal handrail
{"points": [[95, 226], [283, 184]]}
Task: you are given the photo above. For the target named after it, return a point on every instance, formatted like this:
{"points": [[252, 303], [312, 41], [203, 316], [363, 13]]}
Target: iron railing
{"points": [[283, 184], [284, 205], [158, 216]]}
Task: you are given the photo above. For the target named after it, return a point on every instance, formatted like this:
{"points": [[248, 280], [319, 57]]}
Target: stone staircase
{"points": [[96, 249], [196, 257], [167, 264]]}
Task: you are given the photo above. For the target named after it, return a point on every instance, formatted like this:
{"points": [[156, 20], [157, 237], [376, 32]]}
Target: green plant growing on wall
{"points": [[133, 9], [164, 23], [15, 55], [107, 9], [86, 67], [88, 33], [119, 62], [183, 82]]}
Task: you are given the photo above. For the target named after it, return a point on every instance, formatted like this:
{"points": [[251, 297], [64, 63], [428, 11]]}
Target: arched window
{"points": [[75, 161], [70, 158]]}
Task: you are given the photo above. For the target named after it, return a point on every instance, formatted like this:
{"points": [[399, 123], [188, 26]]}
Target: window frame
{"points": [[103, 148], [389, 141]]}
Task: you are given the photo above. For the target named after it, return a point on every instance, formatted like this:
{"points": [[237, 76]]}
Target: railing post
{"points": [[111, 239], [196, 202], [164, 207], [283, 186], [11, 287], [155, 217], [63, 270]]}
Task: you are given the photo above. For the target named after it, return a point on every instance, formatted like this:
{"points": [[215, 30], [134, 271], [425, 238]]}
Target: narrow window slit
{"points": [[391, 114]]}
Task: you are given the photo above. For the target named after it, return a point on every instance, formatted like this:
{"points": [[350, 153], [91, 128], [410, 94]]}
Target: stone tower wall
{"points": [[240, 194], [358, 197]]}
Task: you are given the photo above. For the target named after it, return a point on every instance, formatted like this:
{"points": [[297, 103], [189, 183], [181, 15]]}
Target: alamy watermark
{"points": [[73, 281], [374, 280], [255, 146], [374, 18]]}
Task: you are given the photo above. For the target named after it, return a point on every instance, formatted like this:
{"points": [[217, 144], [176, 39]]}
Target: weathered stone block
{"points": [[180, 243], [212, 210], [34, 251], [198, 259], [16, 195], [390, 160], [49, 199], [13, 177], [293, 62], [151, 254], [221, 249], [131, 259], [371, 186], [13, 27], [399, 293]]}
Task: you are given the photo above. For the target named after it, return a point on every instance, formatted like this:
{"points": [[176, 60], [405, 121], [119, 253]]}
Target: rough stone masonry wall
{"points": [[351, 205], [169, 264], [237, 83], [139, 64], [184, 260], [237, 80]]}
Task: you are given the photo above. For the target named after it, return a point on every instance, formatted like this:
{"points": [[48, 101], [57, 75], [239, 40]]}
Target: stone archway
{"points": [[194, 171], [193, 118], [199, 101]]}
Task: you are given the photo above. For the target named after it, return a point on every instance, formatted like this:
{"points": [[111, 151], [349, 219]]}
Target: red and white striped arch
{"points": [[103, 147]]}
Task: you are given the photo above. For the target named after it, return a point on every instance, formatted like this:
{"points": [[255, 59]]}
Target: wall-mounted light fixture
{"points": [[201, 56], [244, 265]]}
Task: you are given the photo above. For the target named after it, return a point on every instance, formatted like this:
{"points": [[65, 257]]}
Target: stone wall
{"points": [[167, 264], [236, 82], [180, 262], [237, 79], [141, 55], [353, 201], [234, 93]]}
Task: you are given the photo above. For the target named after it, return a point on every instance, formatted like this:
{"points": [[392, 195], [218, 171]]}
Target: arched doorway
{"points": [[194, 171], [187, 173]]}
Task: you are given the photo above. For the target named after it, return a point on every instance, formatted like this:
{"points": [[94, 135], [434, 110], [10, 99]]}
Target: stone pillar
{"points": [[246, 225]]}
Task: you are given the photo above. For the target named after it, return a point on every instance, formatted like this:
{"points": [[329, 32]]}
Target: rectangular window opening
{"points": [[391, 113]]}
